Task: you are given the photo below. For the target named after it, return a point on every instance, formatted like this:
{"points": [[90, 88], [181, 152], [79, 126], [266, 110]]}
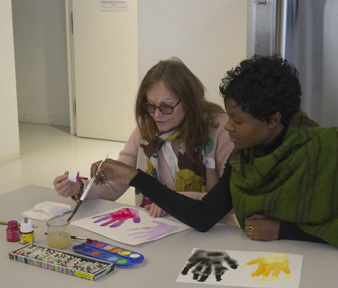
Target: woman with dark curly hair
{"points": [[281, 178]]}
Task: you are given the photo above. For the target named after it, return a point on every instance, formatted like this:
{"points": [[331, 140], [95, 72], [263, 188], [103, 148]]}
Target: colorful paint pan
{"points": [[108, 252]]}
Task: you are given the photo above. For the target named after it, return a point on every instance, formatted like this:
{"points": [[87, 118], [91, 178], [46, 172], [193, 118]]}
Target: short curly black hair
{"points": [[264, 85]]}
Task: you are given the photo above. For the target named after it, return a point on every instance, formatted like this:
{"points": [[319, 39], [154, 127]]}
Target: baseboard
{"points": [[44, 119]]}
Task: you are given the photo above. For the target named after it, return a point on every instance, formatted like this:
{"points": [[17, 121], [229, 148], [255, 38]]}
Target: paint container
{"points": [[26, 232], [12, 231], [58, 235]]}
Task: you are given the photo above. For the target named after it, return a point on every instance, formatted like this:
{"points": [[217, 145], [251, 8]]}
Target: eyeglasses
{"points": [[164, 108]]}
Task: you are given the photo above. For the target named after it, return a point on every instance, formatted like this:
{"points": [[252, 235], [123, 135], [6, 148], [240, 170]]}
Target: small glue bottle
{"points": [[26, 232], [12, 231], [74, 176]]}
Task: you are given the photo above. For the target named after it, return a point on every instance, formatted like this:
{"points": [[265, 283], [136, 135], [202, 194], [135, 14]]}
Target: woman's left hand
{"points": [[262, 228], [154, 210]]}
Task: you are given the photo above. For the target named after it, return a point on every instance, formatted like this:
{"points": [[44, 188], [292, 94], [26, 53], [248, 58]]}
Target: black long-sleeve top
{"points": [[204, 214]]}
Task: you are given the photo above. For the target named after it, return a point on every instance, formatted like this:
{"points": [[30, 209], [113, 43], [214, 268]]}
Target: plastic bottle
{"points": [[26, 232], [74, 176], [12, 231]]}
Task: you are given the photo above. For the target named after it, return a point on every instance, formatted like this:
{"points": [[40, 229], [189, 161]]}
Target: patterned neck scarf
{"points": [[187, 175], [297, 182]]}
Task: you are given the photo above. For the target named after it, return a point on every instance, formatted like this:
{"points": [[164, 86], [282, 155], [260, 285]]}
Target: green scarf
{"points": [[190, 176], [298, 182]]}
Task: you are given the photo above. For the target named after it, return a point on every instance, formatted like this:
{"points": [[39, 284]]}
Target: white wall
{"points": [[9, 140], [208, 36], [41, 61], [330, 68], [41, 53]]}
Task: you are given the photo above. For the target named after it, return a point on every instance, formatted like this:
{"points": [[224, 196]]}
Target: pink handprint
{"points": [[118, 217], [154, 232]]}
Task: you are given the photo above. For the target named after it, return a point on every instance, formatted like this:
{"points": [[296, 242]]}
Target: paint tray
{"points": [[100, 250]]}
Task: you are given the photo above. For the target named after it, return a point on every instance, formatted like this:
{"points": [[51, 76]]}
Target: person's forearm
{"points": [[291, 231], [109, 191], [199, 214]]}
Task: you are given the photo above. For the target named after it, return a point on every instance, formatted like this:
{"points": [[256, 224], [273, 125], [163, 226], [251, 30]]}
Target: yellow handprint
{"points": [[274, 262]]}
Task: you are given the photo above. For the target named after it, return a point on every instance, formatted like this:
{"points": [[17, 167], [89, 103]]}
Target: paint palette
{"points": [[108, 252]]}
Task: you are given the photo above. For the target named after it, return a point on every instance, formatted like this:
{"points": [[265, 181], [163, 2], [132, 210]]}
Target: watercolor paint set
{"points": [[107, 252], [63, 262]]}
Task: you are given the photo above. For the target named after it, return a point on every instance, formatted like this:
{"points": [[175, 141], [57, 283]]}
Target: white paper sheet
{"points": [[259, 263], [129, 225]]}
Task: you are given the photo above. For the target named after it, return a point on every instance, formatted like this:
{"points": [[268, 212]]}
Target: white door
{"points": [[104, 64]]}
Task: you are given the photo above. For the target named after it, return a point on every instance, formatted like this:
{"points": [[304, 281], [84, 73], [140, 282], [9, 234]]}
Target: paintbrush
{"points": [[19, 224], [85, 192], [78, 238]]}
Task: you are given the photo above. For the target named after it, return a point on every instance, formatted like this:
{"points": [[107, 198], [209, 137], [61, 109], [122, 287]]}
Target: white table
{"points": [[164, 258]]}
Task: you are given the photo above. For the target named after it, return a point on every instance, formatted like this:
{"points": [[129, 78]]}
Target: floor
{"points": [[48, 151]]}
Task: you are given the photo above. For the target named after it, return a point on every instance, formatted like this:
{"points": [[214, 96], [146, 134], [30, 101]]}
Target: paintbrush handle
{"points": [[85, 192], [19, 224], [105, 158], [77, 237], [80, 238], [75, 209]]}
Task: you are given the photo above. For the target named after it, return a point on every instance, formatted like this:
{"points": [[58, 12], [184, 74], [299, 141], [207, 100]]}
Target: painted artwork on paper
{"points": [[242, 268], [130, 225]]}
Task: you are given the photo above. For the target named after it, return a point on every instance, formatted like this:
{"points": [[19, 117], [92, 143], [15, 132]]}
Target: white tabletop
{"points": [[164, 258]]}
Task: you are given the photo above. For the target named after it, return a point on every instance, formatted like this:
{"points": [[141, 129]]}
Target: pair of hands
{"points": [[262, 228], [110, 170]]}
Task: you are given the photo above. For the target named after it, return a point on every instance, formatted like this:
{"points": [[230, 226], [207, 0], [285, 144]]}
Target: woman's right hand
{"points": [[112, 170], [65, 187]]}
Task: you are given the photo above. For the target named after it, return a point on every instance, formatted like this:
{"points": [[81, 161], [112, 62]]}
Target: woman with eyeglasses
{"points": [[180, 139]]}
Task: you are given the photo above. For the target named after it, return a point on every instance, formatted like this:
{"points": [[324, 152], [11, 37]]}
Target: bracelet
{"points": [[77, 197]]}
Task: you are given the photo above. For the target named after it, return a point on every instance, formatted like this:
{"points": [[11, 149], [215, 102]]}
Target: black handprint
{"points": [[207, 261]]}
